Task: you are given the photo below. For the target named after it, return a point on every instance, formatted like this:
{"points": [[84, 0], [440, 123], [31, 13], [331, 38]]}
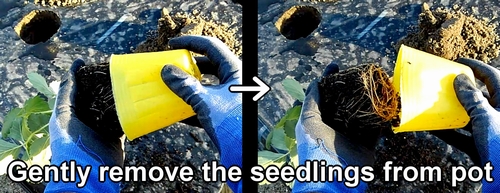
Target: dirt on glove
{"points": [[172, 25], [452, 33], [359, 102]]}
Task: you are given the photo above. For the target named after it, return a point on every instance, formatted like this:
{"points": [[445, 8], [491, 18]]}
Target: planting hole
{"points": [[38, 26], [298, 21]]}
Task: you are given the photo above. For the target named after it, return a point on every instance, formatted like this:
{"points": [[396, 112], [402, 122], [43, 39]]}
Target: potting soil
{"points": [[95, 105], [347, 103]]}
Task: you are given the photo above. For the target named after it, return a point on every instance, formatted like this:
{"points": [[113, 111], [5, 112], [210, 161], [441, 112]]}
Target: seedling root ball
{"points": [[359, 102]]}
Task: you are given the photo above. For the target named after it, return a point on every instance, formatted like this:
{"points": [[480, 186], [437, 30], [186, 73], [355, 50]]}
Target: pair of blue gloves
{"points": [[318, 141], [218, 111]]}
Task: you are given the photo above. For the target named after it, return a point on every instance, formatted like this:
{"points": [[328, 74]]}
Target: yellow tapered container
{"points": [[425, 84], [143, 102]]}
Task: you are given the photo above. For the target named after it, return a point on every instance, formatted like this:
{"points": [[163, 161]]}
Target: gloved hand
{"points": [[318, 141], [70, 139], [484, 113], [218, 110]]}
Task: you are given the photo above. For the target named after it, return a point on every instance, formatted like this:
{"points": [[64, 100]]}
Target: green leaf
{"points": [[40, 84], [278, 140], [269, 139], [52, 102], [290, 142], [9, 120], [16, 152], [38, 145], [25, 157], [25, 131], [294, 157], [37, 121], [265, 158], [291, 114], [7, 148], [290, 127], [15, 130], [35, 105], [294, 88], [291, 184]]}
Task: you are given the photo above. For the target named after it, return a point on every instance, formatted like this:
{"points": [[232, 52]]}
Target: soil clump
{"points": [[95, 105], [451, 34], [298, 21], [172, 25], [359, 102], [38, 26]]}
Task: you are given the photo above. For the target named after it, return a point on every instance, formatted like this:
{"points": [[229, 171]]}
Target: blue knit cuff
{"points": [[229, 134]]}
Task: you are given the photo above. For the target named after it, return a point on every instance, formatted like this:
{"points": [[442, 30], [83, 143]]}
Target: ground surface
{"points": [[350, 33], [83, 35]]}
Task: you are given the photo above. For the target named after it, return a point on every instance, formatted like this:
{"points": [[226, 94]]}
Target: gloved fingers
{"points": [[67, 89], [487, 74], [311, 102], [334, 142], [65, 124], [205, 65], [182, 84], [227, 63], [470, 97], [332, 68], [310, 107]]}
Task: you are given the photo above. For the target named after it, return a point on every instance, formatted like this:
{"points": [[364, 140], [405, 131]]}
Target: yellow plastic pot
{"points": [[143, 102], [425, 84]]}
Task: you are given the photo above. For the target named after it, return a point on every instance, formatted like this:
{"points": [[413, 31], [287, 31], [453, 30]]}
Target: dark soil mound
{"points": [[452, 34], [359, 102], [95, 105], [38, 26], [172, 25], [418, 149], [298, 21]]}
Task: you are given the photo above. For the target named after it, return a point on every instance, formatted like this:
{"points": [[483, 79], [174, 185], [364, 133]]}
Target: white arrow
{"points": [[262, 89]]}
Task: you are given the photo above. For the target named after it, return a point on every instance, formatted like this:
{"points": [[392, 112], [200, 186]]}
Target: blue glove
{"points": [[484, 113], [218, 110], [70, 139], [318, 141]]}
